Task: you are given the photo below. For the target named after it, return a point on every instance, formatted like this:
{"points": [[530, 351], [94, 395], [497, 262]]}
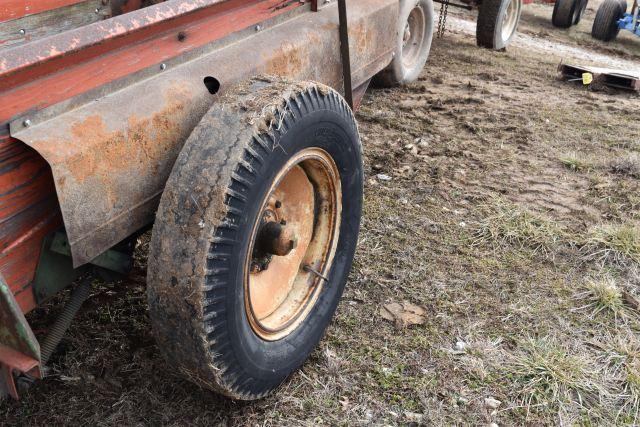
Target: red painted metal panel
{"points": [[134, 134], [14, 9], [101, 63], [28, 212]]}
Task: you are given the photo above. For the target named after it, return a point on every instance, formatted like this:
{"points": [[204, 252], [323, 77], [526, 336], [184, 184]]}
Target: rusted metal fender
{"points": [[111, 157]]}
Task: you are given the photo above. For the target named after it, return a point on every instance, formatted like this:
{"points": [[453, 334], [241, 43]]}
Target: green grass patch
{"points": [[613, 243], [508, 224], [546, 376], [602, 295], [577, 162]]}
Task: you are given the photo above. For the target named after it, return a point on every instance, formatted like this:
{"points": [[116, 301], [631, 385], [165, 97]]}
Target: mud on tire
{"points": [[202, 237]]}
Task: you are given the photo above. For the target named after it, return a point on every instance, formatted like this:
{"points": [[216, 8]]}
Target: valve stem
{"points": [[312, 270]]}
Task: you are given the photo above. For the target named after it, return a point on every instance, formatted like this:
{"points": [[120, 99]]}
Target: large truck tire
{"points": [[566, 13], [579, 12], [497, 23], [413, 44], [605, 25], [255, 236]]}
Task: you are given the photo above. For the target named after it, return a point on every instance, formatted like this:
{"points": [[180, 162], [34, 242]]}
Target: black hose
{"points": [[59, 328]]}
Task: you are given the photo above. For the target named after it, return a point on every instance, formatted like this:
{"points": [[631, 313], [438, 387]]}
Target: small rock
{"points": [[460, 346], [433, 227], [492, 403], [494, 425], [383, 177], [463, 224], [404, 170], [377, 167], [413, 417], [463, 401], [404, 200], [422, 142]]}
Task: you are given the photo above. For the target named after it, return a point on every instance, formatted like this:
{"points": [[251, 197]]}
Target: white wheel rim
{"points": [[413, 37], [510, 19]]}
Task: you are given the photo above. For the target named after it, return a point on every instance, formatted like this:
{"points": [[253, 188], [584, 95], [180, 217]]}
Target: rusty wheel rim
{"points": [[413, 37], [293, 243]]}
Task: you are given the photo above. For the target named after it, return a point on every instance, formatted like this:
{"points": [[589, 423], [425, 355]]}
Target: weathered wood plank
{"points": [[49, 22], [14, 9]]}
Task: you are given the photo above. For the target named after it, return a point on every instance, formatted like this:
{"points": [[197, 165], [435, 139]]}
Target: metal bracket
{"points": [[344, 52], [19, 348], [55, 268], [317, 5]]}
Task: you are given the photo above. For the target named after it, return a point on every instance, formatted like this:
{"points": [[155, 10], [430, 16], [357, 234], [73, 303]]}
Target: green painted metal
{"points": [[15, 331], [111, 260], [55, 269]]}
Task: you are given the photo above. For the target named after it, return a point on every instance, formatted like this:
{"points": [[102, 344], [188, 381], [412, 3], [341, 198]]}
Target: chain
{"points": [[442, 21]]}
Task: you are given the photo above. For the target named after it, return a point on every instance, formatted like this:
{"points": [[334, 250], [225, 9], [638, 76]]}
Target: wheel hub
{"points": [[274, 239], [293, 244], [413, 37]]}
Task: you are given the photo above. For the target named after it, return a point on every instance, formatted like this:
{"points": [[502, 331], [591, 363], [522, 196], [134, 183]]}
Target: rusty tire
{"points": [[202, 252], [414, 33]]}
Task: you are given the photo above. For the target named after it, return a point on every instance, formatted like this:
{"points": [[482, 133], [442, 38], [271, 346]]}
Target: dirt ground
{"points": [[501, 201]]}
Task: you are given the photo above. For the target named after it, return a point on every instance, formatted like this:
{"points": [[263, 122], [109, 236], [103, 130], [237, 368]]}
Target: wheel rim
{"points": [[413, 37], [293, 244], [510, 20]]}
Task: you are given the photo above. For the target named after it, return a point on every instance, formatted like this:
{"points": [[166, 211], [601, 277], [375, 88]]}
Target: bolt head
{"points": [[23, 31], [258, 28], [26, 123], [163, 67]]}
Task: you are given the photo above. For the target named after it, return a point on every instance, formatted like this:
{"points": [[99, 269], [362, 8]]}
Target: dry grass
{"points": [[613, 243], [626, 165], [620, 357], [548, 375], [511, 225], [602, 295]]}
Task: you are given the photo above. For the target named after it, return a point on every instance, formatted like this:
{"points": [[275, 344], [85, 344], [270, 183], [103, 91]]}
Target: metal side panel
{"points": [[111, 157]]}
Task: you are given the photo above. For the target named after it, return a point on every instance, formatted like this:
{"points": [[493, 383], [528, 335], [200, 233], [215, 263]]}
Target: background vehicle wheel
{"points": [[497, 22], [605, 25], [564, 12], [577, 16], [255, 236], [413, 44]]}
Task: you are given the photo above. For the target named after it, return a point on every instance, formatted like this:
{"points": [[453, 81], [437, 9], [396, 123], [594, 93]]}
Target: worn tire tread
{"points": [[187, 299]]}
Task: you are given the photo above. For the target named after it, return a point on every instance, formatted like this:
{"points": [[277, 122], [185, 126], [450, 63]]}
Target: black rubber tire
{"points": [[397, 73], [490, 20], [202, 231], [564, 12], [605, 25], [579, 13]]}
